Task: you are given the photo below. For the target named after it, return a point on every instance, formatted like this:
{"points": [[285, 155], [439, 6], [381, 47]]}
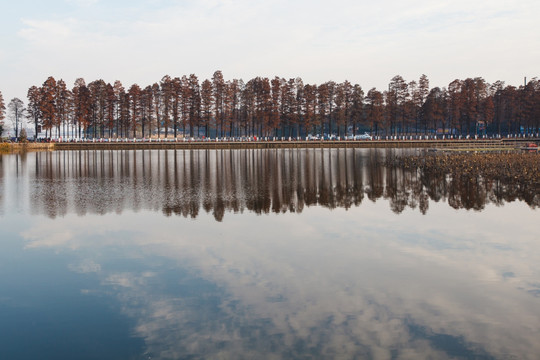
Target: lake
{"points": [[262, 254]]}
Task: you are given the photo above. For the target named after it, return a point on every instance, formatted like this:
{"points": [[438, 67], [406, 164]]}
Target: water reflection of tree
{"points": [[471, 181], [261, 181]]}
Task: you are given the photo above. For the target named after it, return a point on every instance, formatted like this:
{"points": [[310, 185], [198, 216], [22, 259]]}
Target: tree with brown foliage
{"points": [[81, 96], [166, 103], [147, 107], [274, 117], [433, 109], [98, 106], [156, 97], [119, 92], [134, 96], [419, 97], [111, 109], [357, 107], [48, 105], [497, 90], [176, 93], [207, 100], [194, 104], [185, 101], [281, 107], [64, 106], [234, 96], [396, 98], [296, 116], [342, 101], [375, 110], [529, 95], [455, 104], [470, 103], [310, 107], [218, 85], [323, 98]]}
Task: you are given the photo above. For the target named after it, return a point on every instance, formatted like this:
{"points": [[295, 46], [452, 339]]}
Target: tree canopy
{"points": [[216, 107]]}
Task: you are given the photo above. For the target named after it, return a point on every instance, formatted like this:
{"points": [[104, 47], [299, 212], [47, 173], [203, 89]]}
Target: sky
{"points": [[365, 42]]}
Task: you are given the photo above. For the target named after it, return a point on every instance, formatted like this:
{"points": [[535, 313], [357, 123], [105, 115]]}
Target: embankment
{"points": [[22, 147], [498, 144], [448, 145]]}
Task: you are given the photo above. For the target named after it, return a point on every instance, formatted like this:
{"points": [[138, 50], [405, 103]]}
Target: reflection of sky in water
{"points": [[325, 283]]}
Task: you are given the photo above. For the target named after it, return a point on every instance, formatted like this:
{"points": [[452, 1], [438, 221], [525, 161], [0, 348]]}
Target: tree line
{"points": [[185, 106]]}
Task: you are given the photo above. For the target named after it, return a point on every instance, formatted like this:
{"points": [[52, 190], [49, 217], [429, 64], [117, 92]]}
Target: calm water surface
{"points": [[262, 254]]}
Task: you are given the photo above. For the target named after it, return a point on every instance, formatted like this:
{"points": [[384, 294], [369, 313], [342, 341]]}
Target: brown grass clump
{"points": [[4, 148], [521, 168]]}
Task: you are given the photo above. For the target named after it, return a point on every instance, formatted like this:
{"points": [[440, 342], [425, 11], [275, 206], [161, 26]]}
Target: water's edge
{"points": [[484, 145]]}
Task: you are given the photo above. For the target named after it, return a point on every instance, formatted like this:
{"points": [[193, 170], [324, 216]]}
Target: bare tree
{"points": [[16, 112], [2, 109], [34, 109]]}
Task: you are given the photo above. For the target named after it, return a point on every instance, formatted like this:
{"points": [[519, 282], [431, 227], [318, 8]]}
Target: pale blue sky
{"points": [[366, 42]]}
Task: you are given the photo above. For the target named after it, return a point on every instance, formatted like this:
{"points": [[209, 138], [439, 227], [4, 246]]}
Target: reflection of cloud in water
{"points": [[52, 238], [86, 266], [325, 283], [128, 280]]}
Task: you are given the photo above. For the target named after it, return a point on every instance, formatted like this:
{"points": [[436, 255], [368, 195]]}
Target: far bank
{"points": [[457, 145]]}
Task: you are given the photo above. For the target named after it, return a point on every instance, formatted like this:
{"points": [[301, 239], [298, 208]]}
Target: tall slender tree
{"points": [[48, 105], [111, 110], [176, 93], [310, 107], [156, 96], [166, 103], [276, 111], [219, 88], [16, 113], [396, 99], [207, 100], [357, 107], [2, 113], [134, 95], [194, 104], [147, 107], [434, 109], [184, 102], [322, 105], [375, 110], [34, 109], [64, 106], [419, 97], [119, 93], [297, 115], [232, 102]]}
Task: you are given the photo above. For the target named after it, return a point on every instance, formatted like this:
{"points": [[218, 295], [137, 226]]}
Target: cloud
{"points": [[367, 43], [83, 3]]}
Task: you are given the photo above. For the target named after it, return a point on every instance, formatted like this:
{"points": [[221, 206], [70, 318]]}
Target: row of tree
{"points": [[184, 106]]}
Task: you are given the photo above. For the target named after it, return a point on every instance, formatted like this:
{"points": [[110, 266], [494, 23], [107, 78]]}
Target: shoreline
{"points": [[7, 148], [436, 145]]}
